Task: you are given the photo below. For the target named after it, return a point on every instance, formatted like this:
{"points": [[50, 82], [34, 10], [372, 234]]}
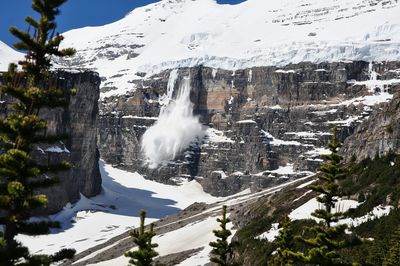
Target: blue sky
{"points": [[75, 13]]}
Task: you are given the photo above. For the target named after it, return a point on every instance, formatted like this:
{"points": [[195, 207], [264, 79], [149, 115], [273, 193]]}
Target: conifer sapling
{"points": [[328, 236], [221, 247], [145, 253], [284, 242]]}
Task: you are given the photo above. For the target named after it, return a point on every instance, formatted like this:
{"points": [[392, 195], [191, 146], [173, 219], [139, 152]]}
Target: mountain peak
{"points": [[182, 33], [8, 55]]}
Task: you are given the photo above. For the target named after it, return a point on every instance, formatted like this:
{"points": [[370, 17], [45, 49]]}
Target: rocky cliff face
{"points": [[79, 121], [264, 124], [377, 136]]}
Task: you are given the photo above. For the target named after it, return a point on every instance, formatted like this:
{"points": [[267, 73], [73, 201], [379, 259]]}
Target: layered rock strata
{"points": [[264, 124]]}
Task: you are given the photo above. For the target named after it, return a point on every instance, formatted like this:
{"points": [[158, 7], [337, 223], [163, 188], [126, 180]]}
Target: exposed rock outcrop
{"points": [[377, 136], [266, 124], [79, 121]]}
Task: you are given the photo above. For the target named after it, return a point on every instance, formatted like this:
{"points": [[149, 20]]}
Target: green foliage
{"points": [[328, 239], [377, 179], [257, 251], [285, 244], [21, 130], [393, 256], [145, 253], [380, 232], [221, 247]]}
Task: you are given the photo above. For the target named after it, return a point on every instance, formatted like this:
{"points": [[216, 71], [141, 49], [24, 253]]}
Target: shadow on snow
{"points": [[119, 200]]}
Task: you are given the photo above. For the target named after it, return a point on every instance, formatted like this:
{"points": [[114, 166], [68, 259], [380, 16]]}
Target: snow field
{"points": [[253, 33], [90, 222]]}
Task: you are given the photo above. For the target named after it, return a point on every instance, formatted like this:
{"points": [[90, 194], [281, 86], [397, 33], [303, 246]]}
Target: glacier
{"points": [[172, 34]]}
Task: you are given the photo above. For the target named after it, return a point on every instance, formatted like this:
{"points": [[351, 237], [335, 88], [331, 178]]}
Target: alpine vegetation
{"points": [[285, 243], [22, 130], [145, 253], [221, 247], [328, 237]]}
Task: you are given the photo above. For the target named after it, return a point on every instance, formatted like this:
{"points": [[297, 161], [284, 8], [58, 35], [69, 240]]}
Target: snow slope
{"points": [[7, 56], [90, 222], [192, 236], [182, 33]]}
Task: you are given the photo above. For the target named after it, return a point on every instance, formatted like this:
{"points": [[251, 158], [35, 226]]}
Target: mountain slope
{"points": [[182, 33], [8, 55]]}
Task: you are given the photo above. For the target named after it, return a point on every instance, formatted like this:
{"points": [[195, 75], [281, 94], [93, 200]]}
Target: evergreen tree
{"points": [[145, 253], [22, 130], [285, 243], [221, 247], [328, 239], [393, 256]]}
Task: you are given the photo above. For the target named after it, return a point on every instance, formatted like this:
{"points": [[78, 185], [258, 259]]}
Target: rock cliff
{"points": [[79, 121], [263, 124], [377, 136]]}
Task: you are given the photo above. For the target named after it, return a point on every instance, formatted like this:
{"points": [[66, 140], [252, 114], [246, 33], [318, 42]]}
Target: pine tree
{"points": [[328, 239], [393, 256], [22, 130], [285, 243], [221, 247], [145, 253]]}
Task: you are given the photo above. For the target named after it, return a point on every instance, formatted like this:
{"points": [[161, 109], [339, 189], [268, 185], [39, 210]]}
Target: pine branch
{"points": [[62, 255], [38, 228]]}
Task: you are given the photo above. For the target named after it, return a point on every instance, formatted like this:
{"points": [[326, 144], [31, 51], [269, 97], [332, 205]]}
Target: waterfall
{"points": [[175, 128]]}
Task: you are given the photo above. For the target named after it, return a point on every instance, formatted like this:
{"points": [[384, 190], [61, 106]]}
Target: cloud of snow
{"points": [[176, 127]]}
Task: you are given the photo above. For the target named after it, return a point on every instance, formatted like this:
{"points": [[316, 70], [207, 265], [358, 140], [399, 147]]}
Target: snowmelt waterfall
{"points": [[175, 128]]}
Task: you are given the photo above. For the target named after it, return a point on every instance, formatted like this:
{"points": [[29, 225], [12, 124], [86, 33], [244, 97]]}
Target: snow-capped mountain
{"points": [[8, 55], [182, 33]]}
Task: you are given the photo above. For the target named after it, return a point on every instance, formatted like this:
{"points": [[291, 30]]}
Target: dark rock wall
{"points": [[79, 121], [285, 102]]}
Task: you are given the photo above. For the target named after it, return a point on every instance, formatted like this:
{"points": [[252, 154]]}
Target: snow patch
{"points": [[248, 121], [305, 210], [271, 234], [221, 173], [57, 149], [214, 135], [306, 184]]}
